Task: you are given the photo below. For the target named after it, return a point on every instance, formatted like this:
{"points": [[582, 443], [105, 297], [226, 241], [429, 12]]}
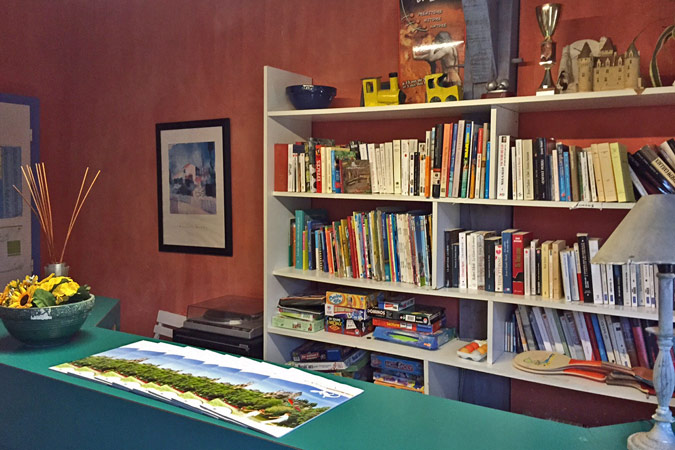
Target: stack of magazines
{"points": [[255, 394]]}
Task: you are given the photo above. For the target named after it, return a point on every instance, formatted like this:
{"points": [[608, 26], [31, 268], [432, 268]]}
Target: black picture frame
{"points": [[194, 195]]}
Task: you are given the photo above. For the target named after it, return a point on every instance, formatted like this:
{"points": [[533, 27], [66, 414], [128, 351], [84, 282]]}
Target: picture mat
{"points": [[202, 230], [285, 387]]}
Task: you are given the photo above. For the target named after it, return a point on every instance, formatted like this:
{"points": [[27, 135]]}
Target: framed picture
{"points": [[194, 198]]}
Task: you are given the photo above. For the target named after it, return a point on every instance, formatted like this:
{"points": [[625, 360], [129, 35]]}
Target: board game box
{"points": [[393, 363], [421, 340], [402, 325], [355, 360], [349, 326], [357, 299], [417, 314], [396, 303], [413, 382], [319, 351], [344, 312], [290, 323]]}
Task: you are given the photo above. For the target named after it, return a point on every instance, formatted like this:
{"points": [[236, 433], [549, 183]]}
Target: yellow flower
{"points": [[64, 291], [5, 295], [21, 297], [48, 283]]}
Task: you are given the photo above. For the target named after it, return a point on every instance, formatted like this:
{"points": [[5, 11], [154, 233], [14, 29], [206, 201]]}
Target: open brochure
{"points": [[261, 396]]}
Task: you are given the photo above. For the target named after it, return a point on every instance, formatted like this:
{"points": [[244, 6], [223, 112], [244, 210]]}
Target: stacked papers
{"points": [[261, 396]]}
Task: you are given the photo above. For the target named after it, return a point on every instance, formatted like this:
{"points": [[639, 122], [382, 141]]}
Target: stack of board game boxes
{"points": [[333, 359], [398, 319], [346, 311], [397, 372], [302, 312]]}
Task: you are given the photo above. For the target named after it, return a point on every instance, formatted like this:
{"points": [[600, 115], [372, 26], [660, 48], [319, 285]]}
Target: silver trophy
{"points": [[547, 17]]}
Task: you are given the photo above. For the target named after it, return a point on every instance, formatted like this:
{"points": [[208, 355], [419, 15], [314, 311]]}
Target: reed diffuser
{"points": [[39, 191]]}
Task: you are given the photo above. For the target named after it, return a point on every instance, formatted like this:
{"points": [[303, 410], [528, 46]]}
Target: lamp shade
{"points": [[646, 235]]}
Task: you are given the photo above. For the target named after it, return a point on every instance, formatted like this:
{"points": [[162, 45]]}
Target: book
{"points": [[507, 263], [547, 339], [574, 173], [499, 271], [607, 339], [545, 285], [396, 161], [524, 320], [585, 263], [503, 167], [622, 181], [520, 240], [519, 191], [583, 332], [456, 162], [620, 342], [629, 341], [528, 170], [450, 237], [608, 186], [598, 168], [555, 331], [521, 332], [445, 167], [556, 281], [437, 162], [598, 337], [656, 162], [640, 345], [490, 245]]}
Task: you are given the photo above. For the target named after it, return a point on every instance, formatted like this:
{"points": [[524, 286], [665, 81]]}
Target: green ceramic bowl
{"points": [[41, 327]]}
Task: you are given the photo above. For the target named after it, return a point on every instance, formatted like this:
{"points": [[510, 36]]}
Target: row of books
{"points": [[582, 336], [543, 169], [653, 168], [385, 244], [514, 262], [457, 160]]}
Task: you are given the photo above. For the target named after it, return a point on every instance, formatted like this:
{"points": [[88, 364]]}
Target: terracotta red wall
{"points": [[106, 72]]}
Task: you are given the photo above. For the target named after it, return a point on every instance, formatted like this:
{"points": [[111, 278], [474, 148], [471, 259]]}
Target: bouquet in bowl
{"points": [[50, 291]]}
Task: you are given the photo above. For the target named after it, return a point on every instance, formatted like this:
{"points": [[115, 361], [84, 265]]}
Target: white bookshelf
{"points": [[283, 124]]}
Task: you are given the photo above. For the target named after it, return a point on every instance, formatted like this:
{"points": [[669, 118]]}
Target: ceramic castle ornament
{"points": [[589, 65]]}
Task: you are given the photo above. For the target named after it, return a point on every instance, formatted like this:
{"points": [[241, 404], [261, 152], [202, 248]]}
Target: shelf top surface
{"points": [[465, 201], [659, 96], [447, 356], [640, 312]]}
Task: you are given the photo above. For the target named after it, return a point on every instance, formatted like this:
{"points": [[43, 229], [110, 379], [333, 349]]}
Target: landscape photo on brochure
{"points": [[255, 394]]}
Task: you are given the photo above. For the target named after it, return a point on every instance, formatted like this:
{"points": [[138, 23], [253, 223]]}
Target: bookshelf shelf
{"points": [[460, 201], [447, 356], [640, 312], [282, 124], [576, 101]]}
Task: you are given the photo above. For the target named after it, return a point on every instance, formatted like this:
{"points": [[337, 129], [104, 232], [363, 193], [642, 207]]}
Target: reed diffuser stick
{"points": [[75, 214], [39, 192]]}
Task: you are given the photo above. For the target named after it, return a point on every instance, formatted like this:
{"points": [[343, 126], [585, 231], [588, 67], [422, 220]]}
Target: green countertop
{"points": [[40, 408]]}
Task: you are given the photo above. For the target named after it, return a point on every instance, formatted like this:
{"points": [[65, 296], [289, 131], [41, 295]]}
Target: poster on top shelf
{"points": [[431, 41], [458, 49]]}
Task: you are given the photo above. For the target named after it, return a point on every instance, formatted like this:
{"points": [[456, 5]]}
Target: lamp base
{"points": [[660, 437]]}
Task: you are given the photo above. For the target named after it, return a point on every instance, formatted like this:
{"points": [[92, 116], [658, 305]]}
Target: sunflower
{"points": [[64, 291], [48, 283], [5, 295], [21, 297]]}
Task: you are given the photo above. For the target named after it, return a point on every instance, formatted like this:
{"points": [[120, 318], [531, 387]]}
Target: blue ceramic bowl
{"points": [[41, 327], [310, 96]]}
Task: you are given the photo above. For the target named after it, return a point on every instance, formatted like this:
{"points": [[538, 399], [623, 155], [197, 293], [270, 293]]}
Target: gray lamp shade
{"points": [[645, 235]]}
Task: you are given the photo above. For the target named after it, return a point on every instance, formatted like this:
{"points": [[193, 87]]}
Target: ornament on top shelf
{"points": [[589, 65]]}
